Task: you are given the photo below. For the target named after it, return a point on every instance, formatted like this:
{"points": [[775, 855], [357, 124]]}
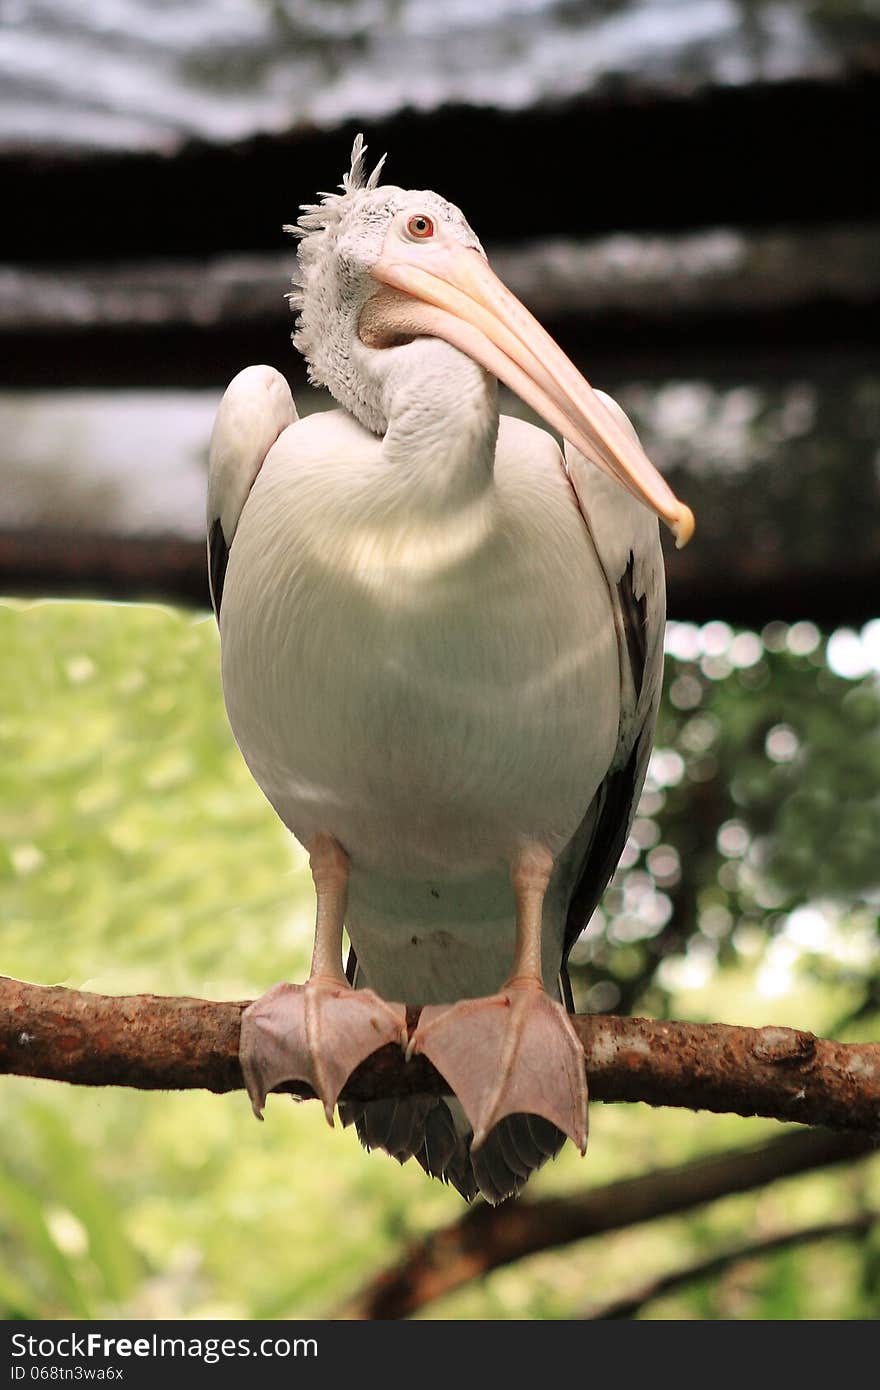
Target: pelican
{"points": [[441, 651]]}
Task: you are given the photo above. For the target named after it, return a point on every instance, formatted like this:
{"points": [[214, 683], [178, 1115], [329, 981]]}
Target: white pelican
{"points": [[441, 657]]}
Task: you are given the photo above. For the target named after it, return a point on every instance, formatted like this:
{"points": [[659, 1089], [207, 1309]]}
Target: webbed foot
{"points": [[318, 1032], [514, 1052]]}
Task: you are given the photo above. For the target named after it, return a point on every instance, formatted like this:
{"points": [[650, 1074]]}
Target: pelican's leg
{"points": [[320, 1031], [514, 1052]]}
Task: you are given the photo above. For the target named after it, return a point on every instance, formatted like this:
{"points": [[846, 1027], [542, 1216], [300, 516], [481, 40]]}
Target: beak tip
{"points": [[683, 526]]}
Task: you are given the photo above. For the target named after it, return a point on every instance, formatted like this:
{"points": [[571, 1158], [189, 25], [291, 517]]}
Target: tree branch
{"points": [[157, 1043], [488, 1237], [628, 1306]]}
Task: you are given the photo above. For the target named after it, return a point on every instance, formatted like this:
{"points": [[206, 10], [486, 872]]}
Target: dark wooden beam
{"points": [[747, 584], [765, 345], [796, 151], [666, 304]]}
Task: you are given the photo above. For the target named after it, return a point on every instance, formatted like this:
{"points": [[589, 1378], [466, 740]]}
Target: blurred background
{"points": [[684, 192]]}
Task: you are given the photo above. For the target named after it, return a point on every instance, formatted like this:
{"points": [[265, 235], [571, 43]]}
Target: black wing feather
{"points": [[218, 559], [617, 794], [634, 615]]}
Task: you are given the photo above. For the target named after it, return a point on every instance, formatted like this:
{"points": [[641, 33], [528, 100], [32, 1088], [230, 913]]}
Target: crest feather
{"points": [[317, 217], [355, 176], [320, 217]]}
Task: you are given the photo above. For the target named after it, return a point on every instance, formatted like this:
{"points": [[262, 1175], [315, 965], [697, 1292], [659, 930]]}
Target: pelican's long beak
{"points": [[446, 290]]}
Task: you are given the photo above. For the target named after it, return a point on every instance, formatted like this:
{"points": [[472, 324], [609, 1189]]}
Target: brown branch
{"points": [[633, 1303], [488, 1237], [157, 1043]]}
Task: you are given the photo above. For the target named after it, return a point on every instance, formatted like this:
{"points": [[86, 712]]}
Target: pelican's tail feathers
{"points": [[434, 1131]]}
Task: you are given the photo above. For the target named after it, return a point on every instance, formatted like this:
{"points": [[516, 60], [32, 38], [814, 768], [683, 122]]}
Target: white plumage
{"points": [[441, 655]]}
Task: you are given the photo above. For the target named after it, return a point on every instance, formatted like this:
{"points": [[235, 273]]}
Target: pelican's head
{"points": [[380, 266]]}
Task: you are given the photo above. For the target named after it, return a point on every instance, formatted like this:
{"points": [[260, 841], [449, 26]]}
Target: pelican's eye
{"points": [[421, 227]]}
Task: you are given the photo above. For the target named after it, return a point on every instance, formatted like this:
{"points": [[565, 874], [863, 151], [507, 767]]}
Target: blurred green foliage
{"points": [[758, 832], [136, 854]]}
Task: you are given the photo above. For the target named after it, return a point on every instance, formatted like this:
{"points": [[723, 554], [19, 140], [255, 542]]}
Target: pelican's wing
{"points": [[626, 537], [255, 409]]}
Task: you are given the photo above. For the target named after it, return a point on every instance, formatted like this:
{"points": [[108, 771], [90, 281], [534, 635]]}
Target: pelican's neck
{"points": [[441, 410]]}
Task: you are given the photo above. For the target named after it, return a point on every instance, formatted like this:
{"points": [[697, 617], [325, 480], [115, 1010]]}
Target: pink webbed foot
{"points": [[514, 1052], [318, 1032]]}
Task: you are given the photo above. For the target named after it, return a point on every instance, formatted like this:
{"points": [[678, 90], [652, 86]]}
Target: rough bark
{"points": [[156, 1043]]}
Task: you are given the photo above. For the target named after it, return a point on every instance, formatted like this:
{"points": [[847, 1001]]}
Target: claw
{"points": [[511, 1053], [318, 1033]]}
